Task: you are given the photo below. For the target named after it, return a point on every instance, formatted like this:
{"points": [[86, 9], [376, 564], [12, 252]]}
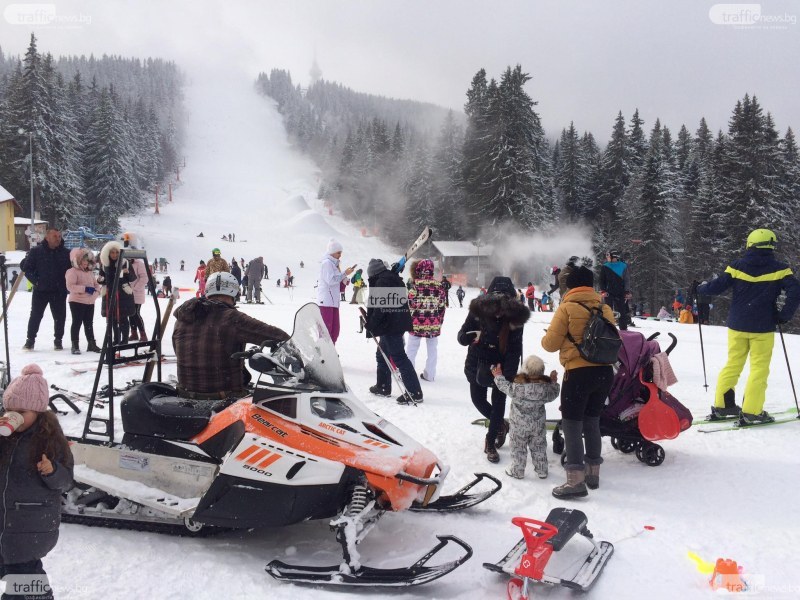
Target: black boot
{"points": [[75, 349], [92, 346], [491, 451], [57, 344], [729, 410], [379, 390], [28, 344], [500, 440]]}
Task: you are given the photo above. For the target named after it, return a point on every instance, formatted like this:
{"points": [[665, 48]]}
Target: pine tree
{"points": [[110, 183]]}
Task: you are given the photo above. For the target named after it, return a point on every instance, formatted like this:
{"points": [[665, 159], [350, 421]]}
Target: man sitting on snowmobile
{"points": [[207, 332]]}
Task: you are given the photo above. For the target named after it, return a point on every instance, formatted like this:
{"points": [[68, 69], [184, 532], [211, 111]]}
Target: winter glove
{"points": [[126, 287], [89, 290]]}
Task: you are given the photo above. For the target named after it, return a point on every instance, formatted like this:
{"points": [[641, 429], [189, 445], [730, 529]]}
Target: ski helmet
{"points": [[761, 238], [222, 283], [614, 254], [215, 252]]}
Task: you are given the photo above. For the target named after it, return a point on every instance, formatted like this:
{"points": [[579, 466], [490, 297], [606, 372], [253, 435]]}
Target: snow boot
{"points": [[510, 472], [575, 487], [134, 336], [501, 434], [75, 349], [747, 419], [491, 451], [28, 345], [592, 479], [57, 345], [142, 335], [415, 398], [729, 410], [92, 346], [379, 390]]}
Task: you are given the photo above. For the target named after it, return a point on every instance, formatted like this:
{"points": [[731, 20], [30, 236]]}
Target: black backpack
{"points": [[601, 340]]}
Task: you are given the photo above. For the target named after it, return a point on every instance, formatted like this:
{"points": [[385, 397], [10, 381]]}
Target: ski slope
{"points": [[730, 494]]}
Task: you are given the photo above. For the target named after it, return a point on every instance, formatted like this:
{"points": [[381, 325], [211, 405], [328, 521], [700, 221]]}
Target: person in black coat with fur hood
{"points": [[117, 305], [493, 331]]}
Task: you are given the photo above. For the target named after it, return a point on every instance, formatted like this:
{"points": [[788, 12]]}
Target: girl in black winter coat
{"points": [[35, 469], [119, 305], [493, 331]]}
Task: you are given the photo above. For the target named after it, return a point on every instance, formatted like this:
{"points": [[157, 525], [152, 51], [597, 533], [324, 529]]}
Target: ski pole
{"points": [[789, 368], [703, 352]]}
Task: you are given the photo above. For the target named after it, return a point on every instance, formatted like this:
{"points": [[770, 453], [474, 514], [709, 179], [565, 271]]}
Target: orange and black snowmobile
{"points": [[301, 447]]}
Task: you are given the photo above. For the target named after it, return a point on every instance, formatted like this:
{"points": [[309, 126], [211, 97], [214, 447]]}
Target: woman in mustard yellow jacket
{"points": [[585, 386]]}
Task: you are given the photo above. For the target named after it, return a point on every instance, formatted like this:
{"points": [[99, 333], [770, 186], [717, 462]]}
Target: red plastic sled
{"points": [[657, 420]]}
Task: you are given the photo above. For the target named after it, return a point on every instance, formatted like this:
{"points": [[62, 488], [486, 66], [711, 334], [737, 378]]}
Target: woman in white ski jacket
{"points": [[329, 287]]}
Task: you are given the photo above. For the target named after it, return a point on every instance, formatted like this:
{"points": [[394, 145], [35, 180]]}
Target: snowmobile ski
{"points": [[460, 500], [416, 574], [733, 424], [412, 249]]}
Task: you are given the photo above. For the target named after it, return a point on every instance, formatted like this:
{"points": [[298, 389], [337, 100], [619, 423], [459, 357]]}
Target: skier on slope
{"points": [[757, 278]]}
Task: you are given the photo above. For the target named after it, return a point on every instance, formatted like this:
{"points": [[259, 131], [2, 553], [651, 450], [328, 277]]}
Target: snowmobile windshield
{"points": [[310, 354]]}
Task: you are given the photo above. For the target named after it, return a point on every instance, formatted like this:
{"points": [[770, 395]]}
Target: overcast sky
{"points": [[588, 59]]}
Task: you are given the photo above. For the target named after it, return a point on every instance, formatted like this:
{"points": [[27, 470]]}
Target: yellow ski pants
{"points": [[759, 347]]}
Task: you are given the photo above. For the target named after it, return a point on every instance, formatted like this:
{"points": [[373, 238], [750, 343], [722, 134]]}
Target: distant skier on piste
{"points": [[757, 279], [615, 287]]}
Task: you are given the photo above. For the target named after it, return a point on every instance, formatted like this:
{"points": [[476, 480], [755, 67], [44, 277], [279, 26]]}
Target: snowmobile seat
{"points": [[154, 409], [568, 521]]}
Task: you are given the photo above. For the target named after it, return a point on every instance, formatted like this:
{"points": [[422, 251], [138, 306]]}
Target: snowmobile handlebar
{"points": [[271, 344]]}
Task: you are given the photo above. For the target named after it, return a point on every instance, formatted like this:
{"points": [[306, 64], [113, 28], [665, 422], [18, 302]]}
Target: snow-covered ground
{"points": [[729, 494]]}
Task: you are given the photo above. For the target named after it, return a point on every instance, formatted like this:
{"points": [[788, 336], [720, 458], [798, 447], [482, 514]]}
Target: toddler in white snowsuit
{"points": [[529, 392]]}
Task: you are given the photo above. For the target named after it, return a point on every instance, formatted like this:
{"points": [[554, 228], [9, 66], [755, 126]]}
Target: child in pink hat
{"points": [[35, 469]]}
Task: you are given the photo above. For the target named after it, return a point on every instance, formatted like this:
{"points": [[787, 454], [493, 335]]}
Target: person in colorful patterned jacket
{"points": [[757, 279], [217, 264], [427, 300]]}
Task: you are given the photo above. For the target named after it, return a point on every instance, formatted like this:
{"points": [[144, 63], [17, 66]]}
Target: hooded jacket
{"points": [[615, 279], [757, 279], [571, 316], [206, 334], [122, 304], [139, 285], [427, 301], [500, 319], [31, 502], [45, 267], [78, 280]]}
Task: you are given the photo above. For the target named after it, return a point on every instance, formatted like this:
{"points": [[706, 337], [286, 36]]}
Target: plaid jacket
{"points": [[206, 334]]}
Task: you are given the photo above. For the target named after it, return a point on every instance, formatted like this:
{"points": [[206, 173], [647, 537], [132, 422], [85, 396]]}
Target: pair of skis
{"points": [[713, 426], [398, 267]]}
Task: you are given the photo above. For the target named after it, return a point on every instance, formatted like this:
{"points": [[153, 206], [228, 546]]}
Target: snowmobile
{"points": [[527, 560], [301, 447]]}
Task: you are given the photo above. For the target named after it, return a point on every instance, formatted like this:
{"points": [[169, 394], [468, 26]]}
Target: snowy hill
{"points": [[721, 495]]}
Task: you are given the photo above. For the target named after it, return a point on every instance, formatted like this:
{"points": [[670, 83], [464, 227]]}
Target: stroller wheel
{"points": [[652, 454], [627, 446], [615, 443]]}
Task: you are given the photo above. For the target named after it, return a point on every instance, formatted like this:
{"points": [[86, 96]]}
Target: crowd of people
{"points": [[208, 331]]}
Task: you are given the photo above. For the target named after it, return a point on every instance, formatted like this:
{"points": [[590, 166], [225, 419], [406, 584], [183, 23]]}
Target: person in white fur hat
{"points": [[329, 285], [529, 392]]}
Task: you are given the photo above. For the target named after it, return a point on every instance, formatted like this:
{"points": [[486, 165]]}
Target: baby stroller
{"points": [[631, 391]]}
